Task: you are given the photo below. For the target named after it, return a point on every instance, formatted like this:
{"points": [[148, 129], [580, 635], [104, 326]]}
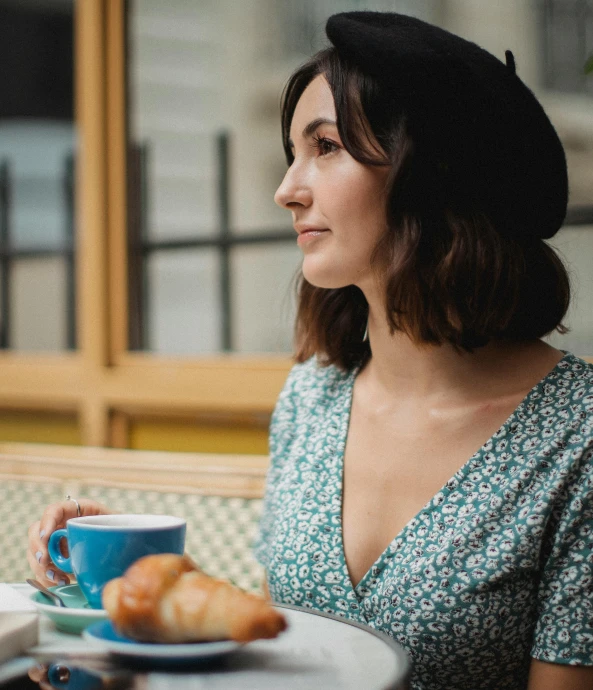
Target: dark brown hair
{"points": [[450, 275]]}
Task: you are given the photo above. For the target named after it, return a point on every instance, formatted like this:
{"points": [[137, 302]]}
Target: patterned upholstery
{"points": [[220, 530], [21, 503]]}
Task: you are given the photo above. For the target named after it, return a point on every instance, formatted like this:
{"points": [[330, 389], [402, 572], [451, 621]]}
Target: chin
{"points": [[325, 280], [329, 273]]}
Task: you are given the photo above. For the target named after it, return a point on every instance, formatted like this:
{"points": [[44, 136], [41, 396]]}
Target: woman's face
{"points": [[337, 203]]}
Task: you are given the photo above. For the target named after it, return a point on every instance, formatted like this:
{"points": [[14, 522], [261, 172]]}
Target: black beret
{"points": [[482, 140]]}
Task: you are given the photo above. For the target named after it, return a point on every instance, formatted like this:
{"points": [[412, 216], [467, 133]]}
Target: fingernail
{"points": [[38, 556], [50, 574], [42, 534], [62, 582]]}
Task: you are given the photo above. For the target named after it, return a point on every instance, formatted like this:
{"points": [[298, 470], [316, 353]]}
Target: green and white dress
{"points": [[497, 568]]}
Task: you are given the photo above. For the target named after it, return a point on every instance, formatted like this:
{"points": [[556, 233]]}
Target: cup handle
{"points": [[53, 546]]}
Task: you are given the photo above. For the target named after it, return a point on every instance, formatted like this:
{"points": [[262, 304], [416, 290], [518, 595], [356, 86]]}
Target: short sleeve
{"points": [[564, 629], [280, 439]]}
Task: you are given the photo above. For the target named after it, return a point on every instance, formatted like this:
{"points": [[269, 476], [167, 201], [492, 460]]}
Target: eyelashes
{"points": [[324, 146]]}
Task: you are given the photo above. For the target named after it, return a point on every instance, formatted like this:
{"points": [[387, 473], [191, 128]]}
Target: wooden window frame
{"points": [[102, 383]]}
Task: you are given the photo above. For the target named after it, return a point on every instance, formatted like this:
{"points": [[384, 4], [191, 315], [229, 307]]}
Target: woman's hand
{"points": [[38, 674], [54, 517]]}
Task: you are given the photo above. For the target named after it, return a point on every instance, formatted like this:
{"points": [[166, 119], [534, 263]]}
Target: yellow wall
{"points": [[37, 427], [184, 436], [188, 437]]}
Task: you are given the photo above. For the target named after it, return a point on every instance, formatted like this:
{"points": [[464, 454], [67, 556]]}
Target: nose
{"points": [[293, 190]]}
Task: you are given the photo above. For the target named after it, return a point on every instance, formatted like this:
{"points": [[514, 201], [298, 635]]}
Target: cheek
{"points": [[352, 196], [372, 205], [352, 200], [362, 212]]}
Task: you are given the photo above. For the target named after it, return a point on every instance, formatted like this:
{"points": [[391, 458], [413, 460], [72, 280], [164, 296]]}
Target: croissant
{"points": [[167, 598]]}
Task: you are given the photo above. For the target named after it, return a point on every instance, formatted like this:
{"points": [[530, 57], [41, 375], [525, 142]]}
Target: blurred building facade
{"points": [[209, 259], [187, 85]]}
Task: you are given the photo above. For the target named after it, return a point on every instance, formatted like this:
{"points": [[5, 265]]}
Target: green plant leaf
{"points": [[589, 65]]}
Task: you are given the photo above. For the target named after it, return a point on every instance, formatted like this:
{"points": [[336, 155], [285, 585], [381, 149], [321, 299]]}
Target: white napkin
{"points": [[16, 602], [19, 623]]}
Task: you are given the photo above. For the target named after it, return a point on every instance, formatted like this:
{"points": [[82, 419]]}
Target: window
{"points": [[567, 42], [212, 260], [37, 142], [171, 192]]}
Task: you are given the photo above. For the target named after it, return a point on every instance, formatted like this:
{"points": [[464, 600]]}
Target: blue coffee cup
{"points": [[102, 547]]}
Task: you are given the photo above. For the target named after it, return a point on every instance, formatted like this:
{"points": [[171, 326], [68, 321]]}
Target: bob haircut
{"points": [[449, 277]]}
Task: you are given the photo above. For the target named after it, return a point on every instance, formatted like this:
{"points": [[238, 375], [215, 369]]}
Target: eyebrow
{"points": [[311, 127]]}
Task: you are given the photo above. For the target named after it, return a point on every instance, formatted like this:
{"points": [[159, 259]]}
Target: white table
{"points": [[317, 651]]}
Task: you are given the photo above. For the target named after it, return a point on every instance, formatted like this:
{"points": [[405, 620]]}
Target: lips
{"points": [[312, 231], [310, 234], [304, 229]]}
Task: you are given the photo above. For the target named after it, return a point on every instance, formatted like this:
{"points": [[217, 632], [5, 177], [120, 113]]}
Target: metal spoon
{"points": [[57, 600]]}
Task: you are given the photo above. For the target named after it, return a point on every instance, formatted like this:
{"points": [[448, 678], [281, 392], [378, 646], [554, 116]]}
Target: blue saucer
{"points": [[103, 634]]}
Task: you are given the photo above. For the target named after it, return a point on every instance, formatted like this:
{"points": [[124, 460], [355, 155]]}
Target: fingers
{"points": [[38, 673], [54, 517], [49, 575], [39, 562]]}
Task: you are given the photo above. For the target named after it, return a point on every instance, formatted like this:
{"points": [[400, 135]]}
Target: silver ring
{"points": [[78, 511]]}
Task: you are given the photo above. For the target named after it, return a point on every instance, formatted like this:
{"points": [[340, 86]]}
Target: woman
{"points": [[431, 471], [420, 478]]}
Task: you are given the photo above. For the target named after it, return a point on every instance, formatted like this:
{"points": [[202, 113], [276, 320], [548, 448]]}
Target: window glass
{"points": [[37, 304], [205, 153], [568, 41], [263, 296], [205, 159], [37, 149], [183, 302]]}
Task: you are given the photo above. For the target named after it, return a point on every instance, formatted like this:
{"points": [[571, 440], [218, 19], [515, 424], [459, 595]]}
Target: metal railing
{"points": [[141, 247], [223, 240]]}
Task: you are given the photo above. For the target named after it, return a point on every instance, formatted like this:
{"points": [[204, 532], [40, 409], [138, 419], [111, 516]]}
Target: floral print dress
{"points": [[497, 568]]}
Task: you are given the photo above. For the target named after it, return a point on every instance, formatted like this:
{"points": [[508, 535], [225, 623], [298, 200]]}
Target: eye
{"points": [[324, 146]]}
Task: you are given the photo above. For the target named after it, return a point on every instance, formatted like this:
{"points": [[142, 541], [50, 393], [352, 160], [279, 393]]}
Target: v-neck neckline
{"points": [[457, 476]]}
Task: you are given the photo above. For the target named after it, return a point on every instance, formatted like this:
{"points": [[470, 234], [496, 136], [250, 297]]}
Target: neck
{"points": [[399, 366]]}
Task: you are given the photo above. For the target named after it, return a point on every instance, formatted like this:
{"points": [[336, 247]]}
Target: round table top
{"points": [[316, 651]]}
